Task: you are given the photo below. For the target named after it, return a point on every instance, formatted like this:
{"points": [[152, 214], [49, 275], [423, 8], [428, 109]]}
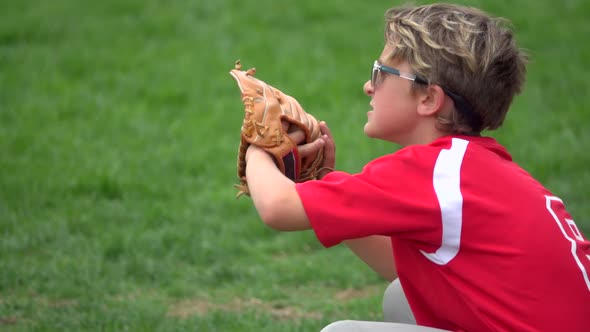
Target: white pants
{"points": [[398, 316]]}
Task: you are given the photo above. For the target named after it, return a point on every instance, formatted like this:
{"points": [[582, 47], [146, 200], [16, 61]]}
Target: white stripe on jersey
{"points": [[447, 180]]}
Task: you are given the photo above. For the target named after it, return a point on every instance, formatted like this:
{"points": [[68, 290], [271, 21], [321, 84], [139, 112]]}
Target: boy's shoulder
{"points": [[474, 146]]}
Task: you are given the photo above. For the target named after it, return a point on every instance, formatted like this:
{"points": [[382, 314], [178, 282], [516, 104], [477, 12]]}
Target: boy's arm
{"points": [[278, 204], [273, 194], [376, 251]]}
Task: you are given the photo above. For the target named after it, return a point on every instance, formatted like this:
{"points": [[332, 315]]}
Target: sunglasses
{"points": [[378, 67], [461, 104]]}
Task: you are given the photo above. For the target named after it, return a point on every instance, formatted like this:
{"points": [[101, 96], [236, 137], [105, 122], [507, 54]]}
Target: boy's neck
{"points": [[424, 134]]}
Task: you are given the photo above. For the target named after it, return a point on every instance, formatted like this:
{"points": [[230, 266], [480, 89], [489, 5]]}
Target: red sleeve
{"points": [[393, 196]]}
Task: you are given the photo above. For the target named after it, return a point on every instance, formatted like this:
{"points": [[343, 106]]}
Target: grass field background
{"points": [[119, 126]]}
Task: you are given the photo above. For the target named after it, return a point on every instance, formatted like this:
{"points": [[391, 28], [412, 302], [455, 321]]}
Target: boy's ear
{"points": [[431, 100]]}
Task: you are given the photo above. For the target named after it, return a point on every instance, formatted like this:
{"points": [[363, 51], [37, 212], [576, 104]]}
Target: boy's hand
{"points": [[325, 142]]}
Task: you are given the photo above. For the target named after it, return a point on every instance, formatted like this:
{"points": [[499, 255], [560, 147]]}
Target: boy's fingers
{"points": [[297, 136], [310, 148]]}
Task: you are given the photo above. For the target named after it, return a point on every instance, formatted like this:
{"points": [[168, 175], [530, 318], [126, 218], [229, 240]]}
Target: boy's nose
{"points": [[368, 88]]}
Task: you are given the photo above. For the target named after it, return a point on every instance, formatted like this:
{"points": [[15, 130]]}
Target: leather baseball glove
{"points": [[269, 115]]}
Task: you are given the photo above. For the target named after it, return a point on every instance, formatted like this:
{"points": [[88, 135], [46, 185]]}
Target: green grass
{"points": [[118, 140]]}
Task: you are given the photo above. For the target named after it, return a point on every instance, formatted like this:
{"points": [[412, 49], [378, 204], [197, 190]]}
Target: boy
{"points": [[475, 242]]}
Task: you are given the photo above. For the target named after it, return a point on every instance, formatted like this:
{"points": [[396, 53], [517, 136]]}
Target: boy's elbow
{"points": [[272, 215], [280, 212], [271, 218]]}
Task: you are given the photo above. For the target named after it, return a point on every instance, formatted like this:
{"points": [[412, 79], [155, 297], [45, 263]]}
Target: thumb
{"points": [[309, 149], [297, 136]]}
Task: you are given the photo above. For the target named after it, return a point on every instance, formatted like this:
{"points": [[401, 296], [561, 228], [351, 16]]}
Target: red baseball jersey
{"points": [[479, 245]]}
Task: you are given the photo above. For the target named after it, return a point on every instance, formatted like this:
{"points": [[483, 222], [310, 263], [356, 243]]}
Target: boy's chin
{"points": [[369, 132]]}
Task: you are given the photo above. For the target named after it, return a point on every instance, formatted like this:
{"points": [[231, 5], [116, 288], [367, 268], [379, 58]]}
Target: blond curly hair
{"points": [[464, 50]]}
